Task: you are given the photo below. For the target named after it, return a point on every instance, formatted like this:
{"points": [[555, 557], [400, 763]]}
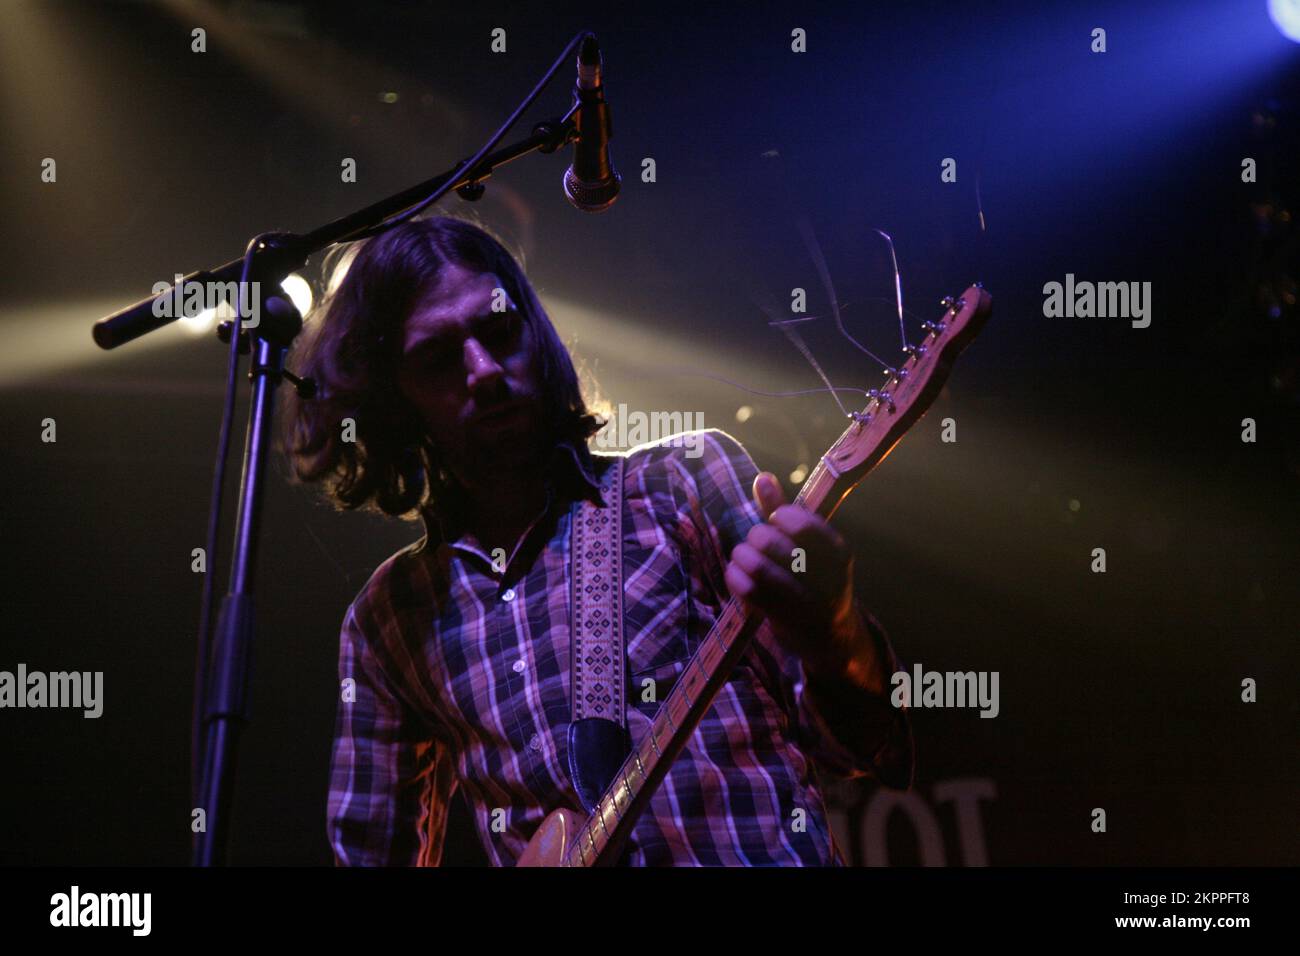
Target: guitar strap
{"points": [[598, 735]]}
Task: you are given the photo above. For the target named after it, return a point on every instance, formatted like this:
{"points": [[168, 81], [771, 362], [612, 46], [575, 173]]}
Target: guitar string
{"points": [[823, 272], [802, 346], [696, 373], [795, 197], [789, 393], [898, 287]]}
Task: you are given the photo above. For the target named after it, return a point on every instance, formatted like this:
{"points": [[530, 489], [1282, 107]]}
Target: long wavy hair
{"points": [[350, 345]]}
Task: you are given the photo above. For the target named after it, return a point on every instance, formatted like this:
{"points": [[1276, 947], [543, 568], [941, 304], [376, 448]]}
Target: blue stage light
{"points": [[1286, 17]]}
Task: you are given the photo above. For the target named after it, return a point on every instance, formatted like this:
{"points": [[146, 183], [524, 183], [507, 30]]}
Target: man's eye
{"points": [[502, 331], [498, 333], [436, 357]]}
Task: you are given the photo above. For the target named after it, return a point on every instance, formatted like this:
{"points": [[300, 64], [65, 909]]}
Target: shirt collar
{"points": [[571, 470]]}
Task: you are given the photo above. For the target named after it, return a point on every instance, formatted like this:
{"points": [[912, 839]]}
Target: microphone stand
{"points": [[223, 703]]}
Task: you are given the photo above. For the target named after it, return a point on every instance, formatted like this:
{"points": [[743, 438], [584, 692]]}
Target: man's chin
{"points": [[514, 439]]}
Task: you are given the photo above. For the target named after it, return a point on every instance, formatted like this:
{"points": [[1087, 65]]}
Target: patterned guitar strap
{"points": [[598, 737]]}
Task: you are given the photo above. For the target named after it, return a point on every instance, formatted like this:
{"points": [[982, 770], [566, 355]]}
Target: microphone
{"points": [[590, 182]]}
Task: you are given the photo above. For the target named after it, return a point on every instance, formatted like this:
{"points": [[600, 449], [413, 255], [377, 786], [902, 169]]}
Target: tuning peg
{"points": [[882, 396]]}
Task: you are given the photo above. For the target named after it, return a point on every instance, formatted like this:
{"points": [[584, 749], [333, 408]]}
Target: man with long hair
{"points": [[444, 392]]}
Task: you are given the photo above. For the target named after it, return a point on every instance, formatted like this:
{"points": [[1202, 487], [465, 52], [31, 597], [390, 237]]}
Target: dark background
{"points": [[1118, 690]]}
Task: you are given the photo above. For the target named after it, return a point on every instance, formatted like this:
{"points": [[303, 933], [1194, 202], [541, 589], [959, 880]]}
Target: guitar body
{"points": [[552, 840]]}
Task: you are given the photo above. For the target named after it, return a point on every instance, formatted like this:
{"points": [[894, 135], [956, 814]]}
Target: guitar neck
{"points": [[906, 395], [600, 839]]}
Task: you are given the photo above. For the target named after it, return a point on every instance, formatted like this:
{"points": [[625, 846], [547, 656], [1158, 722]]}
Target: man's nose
{"points": [[482, 368]]}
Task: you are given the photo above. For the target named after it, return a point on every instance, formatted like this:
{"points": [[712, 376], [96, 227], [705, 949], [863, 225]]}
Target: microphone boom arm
{"points": [[291, 251]]}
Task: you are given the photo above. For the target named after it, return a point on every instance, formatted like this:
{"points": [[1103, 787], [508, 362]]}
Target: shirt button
{"points": [[519, 667], [535, 742], [508, 594]]}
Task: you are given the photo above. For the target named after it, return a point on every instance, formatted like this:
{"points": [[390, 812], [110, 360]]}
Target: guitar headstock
{"points": [[906, 395]]}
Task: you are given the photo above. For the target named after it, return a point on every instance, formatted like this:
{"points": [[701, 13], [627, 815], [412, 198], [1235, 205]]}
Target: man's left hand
{"points": [[798, 571]]}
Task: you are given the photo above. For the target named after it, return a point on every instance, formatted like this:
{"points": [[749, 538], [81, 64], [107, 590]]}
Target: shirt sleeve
{"points": [[390, 779], [848, 731], [852, 732]]}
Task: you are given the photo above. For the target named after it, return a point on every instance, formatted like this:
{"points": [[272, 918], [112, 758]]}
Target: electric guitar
{"points": [[564, 837]]}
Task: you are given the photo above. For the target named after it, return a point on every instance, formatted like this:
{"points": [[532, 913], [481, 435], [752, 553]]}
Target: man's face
{"points": [[471, 372]]}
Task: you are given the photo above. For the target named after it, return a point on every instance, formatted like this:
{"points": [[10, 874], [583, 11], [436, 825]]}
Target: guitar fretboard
{"points": [[678, 716]]}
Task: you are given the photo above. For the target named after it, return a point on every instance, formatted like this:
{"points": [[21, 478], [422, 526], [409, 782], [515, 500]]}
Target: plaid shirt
{"points": [[459, 677]]}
